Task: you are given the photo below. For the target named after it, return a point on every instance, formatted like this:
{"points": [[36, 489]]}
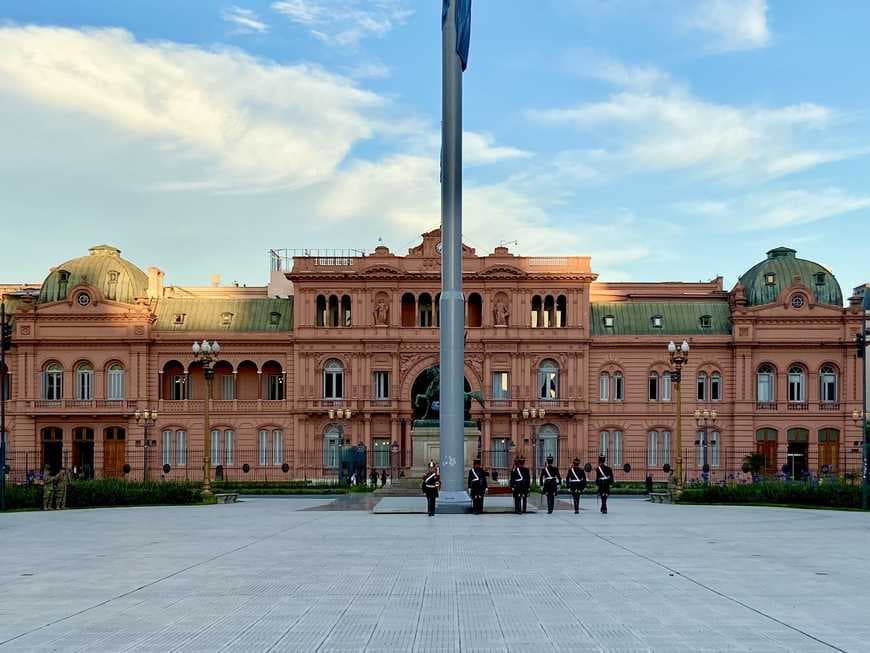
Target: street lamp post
{"points": [[678, 357], [860, 418], [534, 416], [147, 419], [205, 353], [705, 419]]}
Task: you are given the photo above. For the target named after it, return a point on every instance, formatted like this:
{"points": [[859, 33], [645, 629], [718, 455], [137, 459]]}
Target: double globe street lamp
{"points": [[678, 356], [705, 419], [147, 418], [205, 355]]}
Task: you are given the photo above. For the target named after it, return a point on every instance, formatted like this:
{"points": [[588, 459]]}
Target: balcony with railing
{"points": [[81, 406]]}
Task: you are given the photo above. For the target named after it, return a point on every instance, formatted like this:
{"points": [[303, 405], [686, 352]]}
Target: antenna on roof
{"points": [[503, 243]]}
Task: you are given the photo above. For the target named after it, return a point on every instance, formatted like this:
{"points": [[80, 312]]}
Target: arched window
{"points": [[409, 310], [561, 311], [84, 385], [437, 309], [273, 377], [332, 443], [828, 384], [765, 384], [115, 382], [62, 284], [537, 310], [652, 449], [666, 386], [548, 444], [702, 386], [548, 379], [52, 382], [604, 387], [320, 311], [715, 386], [797, 387], [226, 386], [653, 384], [475, 310], [346, 309], [549, 312], [332, 311], [618, 386], [333, 380], [424, 310]]}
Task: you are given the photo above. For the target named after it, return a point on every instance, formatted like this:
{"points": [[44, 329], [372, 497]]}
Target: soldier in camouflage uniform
{"points": [[62, 486], [48, 489]]}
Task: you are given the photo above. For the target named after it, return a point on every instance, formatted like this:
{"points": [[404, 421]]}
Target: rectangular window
{"points": [[277, 447], [331, 451], [181, 447], [716, 388], [115, 385], [549, 385], [215, 448], [500, 453], [178, 387], [264, 448], [702, 387], [714, 449], [333, 385], [167, 447], [653, 387], [382, 385], [618, 387], [603, 387], [666, 386], [228, 387], [230, 447], [652, 451], [501, 385], [795, 387], [616, 455], [765, 388], [275, 387], [84, 385], [53, 386], [603, 443], [700, 449]]}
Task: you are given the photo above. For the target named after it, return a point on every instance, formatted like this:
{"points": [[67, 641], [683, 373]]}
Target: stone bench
{"points": [[227, 497], [661, 497]]}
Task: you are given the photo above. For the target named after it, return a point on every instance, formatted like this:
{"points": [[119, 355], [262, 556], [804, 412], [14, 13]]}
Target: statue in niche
{"points": [[500, 312], [382, 313]]}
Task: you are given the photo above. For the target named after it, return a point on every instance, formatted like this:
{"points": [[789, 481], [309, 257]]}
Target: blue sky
{"points": [[668, 139]]}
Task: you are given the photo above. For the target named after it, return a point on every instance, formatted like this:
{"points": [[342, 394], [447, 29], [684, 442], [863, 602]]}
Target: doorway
{"points": [[765, 444], [52, 449], [83, 452], [829, 450], [798, 452], [114, 451]]}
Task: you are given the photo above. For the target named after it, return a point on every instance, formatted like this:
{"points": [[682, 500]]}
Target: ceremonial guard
{"points": [[603, 479], [62, 488], [520, 483], [431, 483], [477, 486], [49, 489], [576, 478], [550, 481]]}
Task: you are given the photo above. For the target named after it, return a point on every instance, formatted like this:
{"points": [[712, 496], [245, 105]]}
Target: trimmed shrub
{"points": [[108, 492], [828, 495]]}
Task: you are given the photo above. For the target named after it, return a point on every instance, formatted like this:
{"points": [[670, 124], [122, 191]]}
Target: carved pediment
{"points": [[501, 271], [381, 269]]}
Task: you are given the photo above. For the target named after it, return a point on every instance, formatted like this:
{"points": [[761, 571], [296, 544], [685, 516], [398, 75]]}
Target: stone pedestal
{"points": [[426, 445]]}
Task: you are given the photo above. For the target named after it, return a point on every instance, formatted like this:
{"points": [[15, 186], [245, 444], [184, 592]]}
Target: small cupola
{"points": [[781, 252]]}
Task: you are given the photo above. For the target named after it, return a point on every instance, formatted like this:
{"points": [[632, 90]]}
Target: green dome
{"points": [[104, 269], [764, 282]]}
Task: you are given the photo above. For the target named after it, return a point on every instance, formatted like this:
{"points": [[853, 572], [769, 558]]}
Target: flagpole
{"points": [[452, 304]]}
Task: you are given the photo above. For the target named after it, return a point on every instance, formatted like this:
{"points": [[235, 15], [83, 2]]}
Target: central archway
{"points": [[425, 395]]}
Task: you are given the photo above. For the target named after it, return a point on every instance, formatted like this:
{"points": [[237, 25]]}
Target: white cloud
{"points": [[480, 149], [246, 20], [667, 128], [369, 70], [732, 24], [228, 119], [345, 22], [777, 209]]}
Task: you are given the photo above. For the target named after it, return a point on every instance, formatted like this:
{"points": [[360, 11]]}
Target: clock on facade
{"points": [[83, 299], [438, 247]]}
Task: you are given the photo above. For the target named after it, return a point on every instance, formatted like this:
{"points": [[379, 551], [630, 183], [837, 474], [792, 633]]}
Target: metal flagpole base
{"points": [[453, 503]]}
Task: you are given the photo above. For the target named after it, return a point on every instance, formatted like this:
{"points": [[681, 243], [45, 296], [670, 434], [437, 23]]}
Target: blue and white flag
{"points": [[463, 27]]}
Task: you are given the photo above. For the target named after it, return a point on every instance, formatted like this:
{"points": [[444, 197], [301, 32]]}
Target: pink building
{"points": [[344, 358]]}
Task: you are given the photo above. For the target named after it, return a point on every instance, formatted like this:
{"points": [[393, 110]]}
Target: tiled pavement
{"points": [[267, 575]]}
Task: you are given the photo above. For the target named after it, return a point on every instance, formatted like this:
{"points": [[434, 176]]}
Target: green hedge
{"points": [[108, 492], [828, 495]]}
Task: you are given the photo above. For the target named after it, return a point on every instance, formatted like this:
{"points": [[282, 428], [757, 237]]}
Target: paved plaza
{"points": [[274, 574]]}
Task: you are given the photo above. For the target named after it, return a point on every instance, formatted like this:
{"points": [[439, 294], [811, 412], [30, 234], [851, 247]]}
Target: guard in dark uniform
{"points": [[520, 483], [550, 480], [603, 479], [431, 483], [477, 486], [576, 479]]}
